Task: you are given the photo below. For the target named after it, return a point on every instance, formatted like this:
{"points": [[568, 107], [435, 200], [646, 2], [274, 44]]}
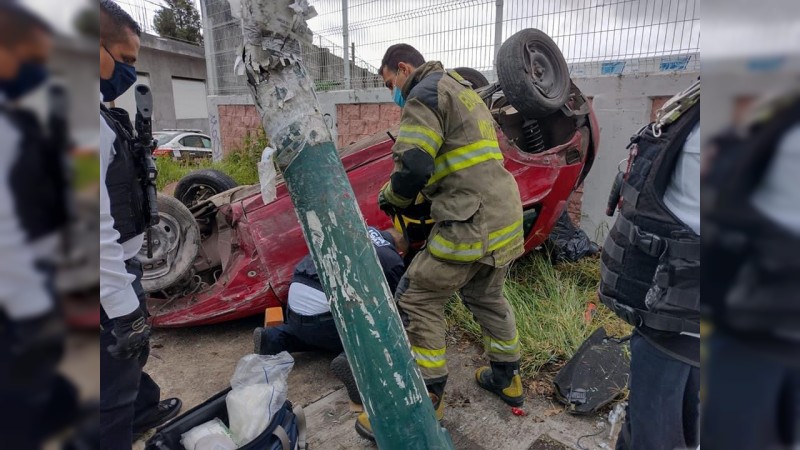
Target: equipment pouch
{"points": [[675, 291], [460, 241]]}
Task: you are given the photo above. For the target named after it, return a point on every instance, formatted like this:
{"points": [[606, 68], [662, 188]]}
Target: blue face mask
{"points": [[121, 80], [398, 97], [30, 76]]}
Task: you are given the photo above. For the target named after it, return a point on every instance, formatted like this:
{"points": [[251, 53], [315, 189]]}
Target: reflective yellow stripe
{"points": [[429, 358], [465, 252], [502, 237], [396, 200], [497, 346], [464, 157], [422, 137]]}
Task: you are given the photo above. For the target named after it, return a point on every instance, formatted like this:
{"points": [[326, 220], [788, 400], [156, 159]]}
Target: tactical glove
{"points": [[132, 333]]}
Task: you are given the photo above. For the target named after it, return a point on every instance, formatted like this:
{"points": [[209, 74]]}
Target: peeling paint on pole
{"points": [[387, 376]]}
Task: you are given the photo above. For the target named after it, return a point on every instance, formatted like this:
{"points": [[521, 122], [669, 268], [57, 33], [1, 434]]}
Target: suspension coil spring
{"points": [[533, 136]]}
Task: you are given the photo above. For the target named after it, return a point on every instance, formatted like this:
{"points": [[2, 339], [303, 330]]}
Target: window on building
{"points": [[190, 98]]}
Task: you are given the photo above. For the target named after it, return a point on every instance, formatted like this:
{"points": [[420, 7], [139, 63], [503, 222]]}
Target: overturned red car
{"points": [[219, 256]]}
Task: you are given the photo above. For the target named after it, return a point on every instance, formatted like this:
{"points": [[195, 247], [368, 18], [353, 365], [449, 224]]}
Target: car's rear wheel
{"points": [[533, 73], [175, 245], [473, 76], [202, 184]]}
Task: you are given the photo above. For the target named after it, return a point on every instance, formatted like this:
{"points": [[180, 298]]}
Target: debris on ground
{"points": [[568, 243]]}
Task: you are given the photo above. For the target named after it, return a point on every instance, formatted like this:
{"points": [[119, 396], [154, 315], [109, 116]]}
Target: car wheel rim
{"points": [[166, 237], [541, 70], [197, 194]]}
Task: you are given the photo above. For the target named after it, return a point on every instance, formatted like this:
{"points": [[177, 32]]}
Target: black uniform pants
{"points": [[664, 403], [304, 333], [752, 398], [126, 391], [36, 400]]}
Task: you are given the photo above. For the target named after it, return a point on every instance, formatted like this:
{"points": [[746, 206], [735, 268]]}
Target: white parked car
{"points": [[182, 144]]}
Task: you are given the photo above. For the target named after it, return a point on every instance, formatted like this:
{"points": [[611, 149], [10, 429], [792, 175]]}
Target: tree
{"points": [[179, 20], [87, 23]]}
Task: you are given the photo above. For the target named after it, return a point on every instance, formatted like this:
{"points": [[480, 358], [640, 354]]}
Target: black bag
{"points": [[596, 375], [568, 243], [287, 431]]}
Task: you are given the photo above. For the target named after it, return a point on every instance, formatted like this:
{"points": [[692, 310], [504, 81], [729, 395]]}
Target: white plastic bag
{"points": [[191, 440], [258, 391], [266, 175]]}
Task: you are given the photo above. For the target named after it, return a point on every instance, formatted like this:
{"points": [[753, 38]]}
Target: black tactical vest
{"points": [[123, 178], [757, 288], [650, 265], [38, 178]]}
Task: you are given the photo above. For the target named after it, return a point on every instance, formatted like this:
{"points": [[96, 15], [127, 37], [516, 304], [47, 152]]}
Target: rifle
{"points": [[59, 146], [144, 146]]}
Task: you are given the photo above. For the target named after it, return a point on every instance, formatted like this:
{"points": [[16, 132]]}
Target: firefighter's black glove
{"points": [[384, 205], [132, 333]]}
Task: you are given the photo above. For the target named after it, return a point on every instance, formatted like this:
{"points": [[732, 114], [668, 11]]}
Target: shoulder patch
{"points": [[427, 91], [377, 238]]}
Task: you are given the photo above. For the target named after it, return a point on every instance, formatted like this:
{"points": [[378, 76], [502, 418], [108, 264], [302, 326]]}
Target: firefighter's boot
{"points": [[436, 394], [503, 379]]}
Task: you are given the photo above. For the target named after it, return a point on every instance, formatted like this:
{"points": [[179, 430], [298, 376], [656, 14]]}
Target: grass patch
{"points": [[241, 164], [549, 303], [86, 170]]}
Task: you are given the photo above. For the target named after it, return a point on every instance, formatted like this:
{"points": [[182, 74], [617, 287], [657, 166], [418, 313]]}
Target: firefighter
{"points": [[650, 276], [447, 150], [129, 399]]}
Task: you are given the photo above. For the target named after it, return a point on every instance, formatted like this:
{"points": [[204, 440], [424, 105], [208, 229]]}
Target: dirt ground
{"points": [[196, 363]]}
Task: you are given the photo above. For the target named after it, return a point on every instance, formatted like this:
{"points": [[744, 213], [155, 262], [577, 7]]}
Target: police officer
{"points": [[650, 277], [310, 325], [751, 222], [32, 393], [447, 150], [129, 403]]}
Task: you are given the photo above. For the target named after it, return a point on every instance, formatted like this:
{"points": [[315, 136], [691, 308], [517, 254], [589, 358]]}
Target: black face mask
{"points": [[30, 76], [121, 80]]}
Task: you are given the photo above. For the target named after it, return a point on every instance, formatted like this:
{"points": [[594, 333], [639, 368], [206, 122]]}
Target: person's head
{"points": [[397, 239], [119, 50], [25, 45], [397, 65]]}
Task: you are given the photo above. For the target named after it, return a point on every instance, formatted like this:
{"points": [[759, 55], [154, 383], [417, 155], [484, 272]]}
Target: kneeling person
{"points": [[310, 325]]}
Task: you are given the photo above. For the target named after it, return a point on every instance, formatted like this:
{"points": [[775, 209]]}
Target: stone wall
{"points": [[357, 121], [236, 121]]}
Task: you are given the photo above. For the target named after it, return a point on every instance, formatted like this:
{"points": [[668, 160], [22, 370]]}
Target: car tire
{"points": [[176, 244], [473, 76], [533, 73], [202, 184]]}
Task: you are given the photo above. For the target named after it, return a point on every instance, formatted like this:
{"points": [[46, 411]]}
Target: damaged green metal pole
{"points": [[394, 394]]}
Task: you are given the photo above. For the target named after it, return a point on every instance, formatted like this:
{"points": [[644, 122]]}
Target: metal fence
{"points": [[597, 37]]}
